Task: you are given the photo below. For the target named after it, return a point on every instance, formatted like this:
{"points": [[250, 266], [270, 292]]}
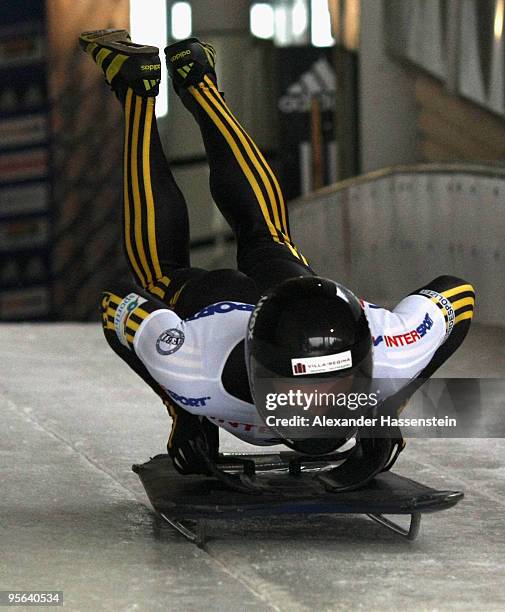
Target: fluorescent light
{"points": [[299, 18], [149, 27], [320, 24], [262, 20], [281, 26], [498, 20], [181, 20]]}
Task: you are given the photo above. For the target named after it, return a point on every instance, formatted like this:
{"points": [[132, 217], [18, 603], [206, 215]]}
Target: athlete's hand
{"points": [[191, 436]]}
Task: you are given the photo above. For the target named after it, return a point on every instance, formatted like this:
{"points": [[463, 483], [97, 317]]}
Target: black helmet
{"points": [[308, 328]]}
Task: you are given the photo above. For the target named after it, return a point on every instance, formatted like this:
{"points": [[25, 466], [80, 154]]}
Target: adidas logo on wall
{"points": [[319, 82]]}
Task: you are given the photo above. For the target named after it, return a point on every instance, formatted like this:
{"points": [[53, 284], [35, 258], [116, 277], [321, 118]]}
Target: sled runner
{"points": [[253, 485]]}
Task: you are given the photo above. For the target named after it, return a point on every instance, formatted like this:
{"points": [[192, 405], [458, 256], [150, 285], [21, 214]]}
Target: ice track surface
{"points": [[73, 516]]}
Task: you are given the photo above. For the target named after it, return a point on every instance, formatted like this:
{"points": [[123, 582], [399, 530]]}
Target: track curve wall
{"points": [[388, 232]]}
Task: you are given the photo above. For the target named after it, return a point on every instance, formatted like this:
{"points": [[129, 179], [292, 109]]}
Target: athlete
{"points": [[202, 339]]}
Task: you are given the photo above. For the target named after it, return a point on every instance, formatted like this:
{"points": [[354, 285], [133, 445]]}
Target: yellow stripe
{"points": [[269, 170], [464, 315], [129, 337], [101, 55], [136, 191], [115, 298], [91, 47], [129, 248], [105, 321], [176, 295], [274, 179], [151, 217], [236, 128], [239, 157], [147, 84], [165, 280], [141, 313], [115, 66], [292, 249], [209, 55], [132, 325], [461, 289], [181, 72], [469, 301], [157, 291]]}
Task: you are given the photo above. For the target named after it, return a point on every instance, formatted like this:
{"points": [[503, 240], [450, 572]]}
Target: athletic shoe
{"points": [[124, 64], [188, 62]]}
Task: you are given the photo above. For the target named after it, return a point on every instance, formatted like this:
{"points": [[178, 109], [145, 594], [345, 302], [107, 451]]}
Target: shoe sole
{"points": [[115, 40], [118, 42]]}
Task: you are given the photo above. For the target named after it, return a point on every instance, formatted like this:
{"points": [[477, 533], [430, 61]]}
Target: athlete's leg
{"points": [[156, 234], [242, 183], [155, 227], [155, 218]]}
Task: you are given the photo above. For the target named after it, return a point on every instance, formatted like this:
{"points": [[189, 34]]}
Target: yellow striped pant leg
{"points": [[156, 227], [140, 232], [243, 184]]}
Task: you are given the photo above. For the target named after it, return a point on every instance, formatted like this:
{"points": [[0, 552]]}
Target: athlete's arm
{"points": [[132, 322], [405, 338], [147, 327], [421, 333]]}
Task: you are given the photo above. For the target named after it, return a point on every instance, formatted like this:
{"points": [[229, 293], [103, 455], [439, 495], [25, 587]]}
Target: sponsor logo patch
{"points": [[407, 338], [188, 401], [123, 311], [221, 308], [317, 365], [170, 341], [445, 303]]}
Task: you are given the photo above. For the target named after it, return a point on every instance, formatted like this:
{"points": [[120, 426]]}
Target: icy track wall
{"points": [[389, 232]]}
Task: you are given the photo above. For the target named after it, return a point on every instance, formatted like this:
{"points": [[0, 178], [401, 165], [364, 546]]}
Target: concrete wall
{"points": [[388, 114], [387, 233]]}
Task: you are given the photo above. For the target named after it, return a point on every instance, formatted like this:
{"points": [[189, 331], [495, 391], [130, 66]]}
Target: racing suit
{"points": [[182, 329]]}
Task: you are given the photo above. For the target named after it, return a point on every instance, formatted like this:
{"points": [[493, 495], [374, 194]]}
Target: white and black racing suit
{"points": [[182, 328]]}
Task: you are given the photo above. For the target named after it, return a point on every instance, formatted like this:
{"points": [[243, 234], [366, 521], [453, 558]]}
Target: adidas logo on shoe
{"points": [[179, 55]]}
